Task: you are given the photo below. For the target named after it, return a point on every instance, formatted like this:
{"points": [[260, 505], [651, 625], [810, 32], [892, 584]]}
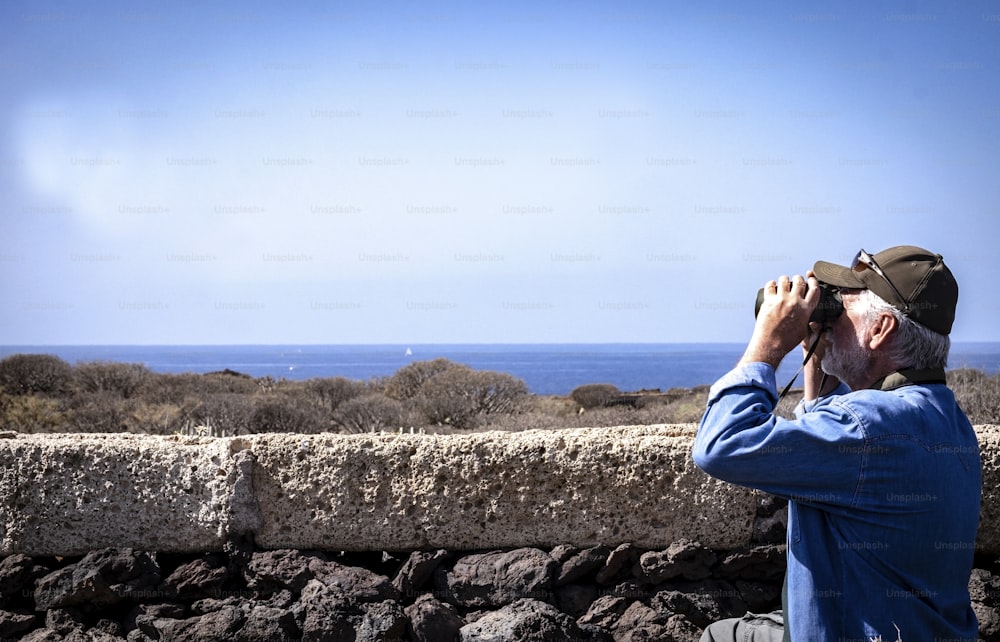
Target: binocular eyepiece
{"points": [[829, 308]]}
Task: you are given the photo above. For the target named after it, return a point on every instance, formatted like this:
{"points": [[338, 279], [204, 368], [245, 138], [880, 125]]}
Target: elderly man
{"points": [[880, 465]]}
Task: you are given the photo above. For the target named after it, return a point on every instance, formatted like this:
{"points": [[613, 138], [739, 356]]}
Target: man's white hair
{"points": [[913, 345]]}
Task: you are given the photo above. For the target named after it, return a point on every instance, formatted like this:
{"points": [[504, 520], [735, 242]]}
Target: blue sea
{"points": [[547, 369]]}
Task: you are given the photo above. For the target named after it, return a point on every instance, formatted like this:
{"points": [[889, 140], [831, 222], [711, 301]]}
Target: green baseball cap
{"points": [[912, 279]]}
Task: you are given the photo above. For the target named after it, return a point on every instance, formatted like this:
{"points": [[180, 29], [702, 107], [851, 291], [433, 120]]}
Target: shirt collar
{"points": [[910, 377]]}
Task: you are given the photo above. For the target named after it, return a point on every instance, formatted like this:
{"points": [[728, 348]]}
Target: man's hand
{"points": [[815, 382], [783, 320]]}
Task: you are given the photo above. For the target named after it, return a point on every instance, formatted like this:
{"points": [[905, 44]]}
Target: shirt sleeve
{"points": [[804, 406], [816, 458]]}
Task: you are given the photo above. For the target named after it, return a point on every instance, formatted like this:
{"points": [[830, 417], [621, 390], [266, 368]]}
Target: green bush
{"points": [[22, 374]]}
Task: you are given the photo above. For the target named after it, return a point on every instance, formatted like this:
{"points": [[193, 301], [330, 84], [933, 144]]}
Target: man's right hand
{"points": [[813, 376]]}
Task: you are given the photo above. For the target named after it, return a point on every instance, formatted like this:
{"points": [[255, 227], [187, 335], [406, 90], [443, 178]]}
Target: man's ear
{"points": [[881, 330]]}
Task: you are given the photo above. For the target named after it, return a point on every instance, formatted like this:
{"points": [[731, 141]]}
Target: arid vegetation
{"points": [[42, 393]]}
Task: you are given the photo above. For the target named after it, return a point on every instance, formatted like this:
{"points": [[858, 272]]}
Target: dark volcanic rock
{"points": [[759, 563], [417, 570], [211, 605], [642, 622], [142, 616], [684, 558], [619, 562], [64, 620], [525, 620], [327, 614], [771, 522], [588, 595], [760, 597], [575, 599], [101, 578], [701, 602], [17, 574], [271, 571], [431, 620], [221, 626], [381, 622], [12, 622], [203, 577], [48, 635], [563, 552], [266, 623], [605, 611], [984, 589], [360, 583], [330, 614], [632, 590], [498, 578], [582, 564]]}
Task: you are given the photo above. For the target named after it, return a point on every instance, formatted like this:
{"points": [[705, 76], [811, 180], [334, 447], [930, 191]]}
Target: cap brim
{"points": [[838, 275]]}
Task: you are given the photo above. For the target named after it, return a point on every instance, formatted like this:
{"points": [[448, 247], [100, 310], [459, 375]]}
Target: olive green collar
{"points": [[910, 377]]}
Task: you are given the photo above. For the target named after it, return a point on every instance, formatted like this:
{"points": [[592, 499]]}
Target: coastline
{"points": [[547, 369]]}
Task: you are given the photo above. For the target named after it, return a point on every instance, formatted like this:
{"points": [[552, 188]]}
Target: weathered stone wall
{"points": [[597, 534], [69, 494]]}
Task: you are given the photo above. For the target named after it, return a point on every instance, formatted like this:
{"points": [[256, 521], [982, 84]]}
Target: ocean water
{"points": [[547, 369]]}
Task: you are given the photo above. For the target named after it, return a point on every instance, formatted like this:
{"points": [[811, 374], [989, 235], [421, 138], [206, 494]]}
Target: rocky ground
{"points": [[524, 595]]}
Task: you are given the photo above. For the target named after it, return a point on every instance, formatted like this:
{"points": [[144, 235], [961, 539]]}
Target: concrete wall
{"points": [[69, 494]]}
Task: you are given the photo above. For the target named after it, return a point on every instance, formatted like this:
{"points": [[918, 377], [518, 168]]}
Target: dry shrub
{"points": [[156, 419], [497, 393], [370, 413], [407, 381], [227, 414], [31, 414], [330, 392], [22, 374], [552, 412], [461, 397], [99, 412], [595, 395], [177, 388], [977, 393], [123, 379], [280, 413], [42, 393]]}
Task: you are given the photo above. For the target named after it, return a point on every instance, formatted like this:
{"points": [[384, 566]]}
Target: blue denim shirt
{"points": [[883, 489]]}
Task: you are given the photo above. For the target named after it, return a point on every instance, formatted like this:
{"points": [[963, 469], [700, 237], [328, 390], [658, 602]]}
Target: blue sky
{"points": [[514, 172]]}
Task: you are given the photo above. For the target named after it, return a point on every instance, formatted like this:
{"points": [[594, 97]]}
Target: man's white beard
{"points": [[846, 362]]}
